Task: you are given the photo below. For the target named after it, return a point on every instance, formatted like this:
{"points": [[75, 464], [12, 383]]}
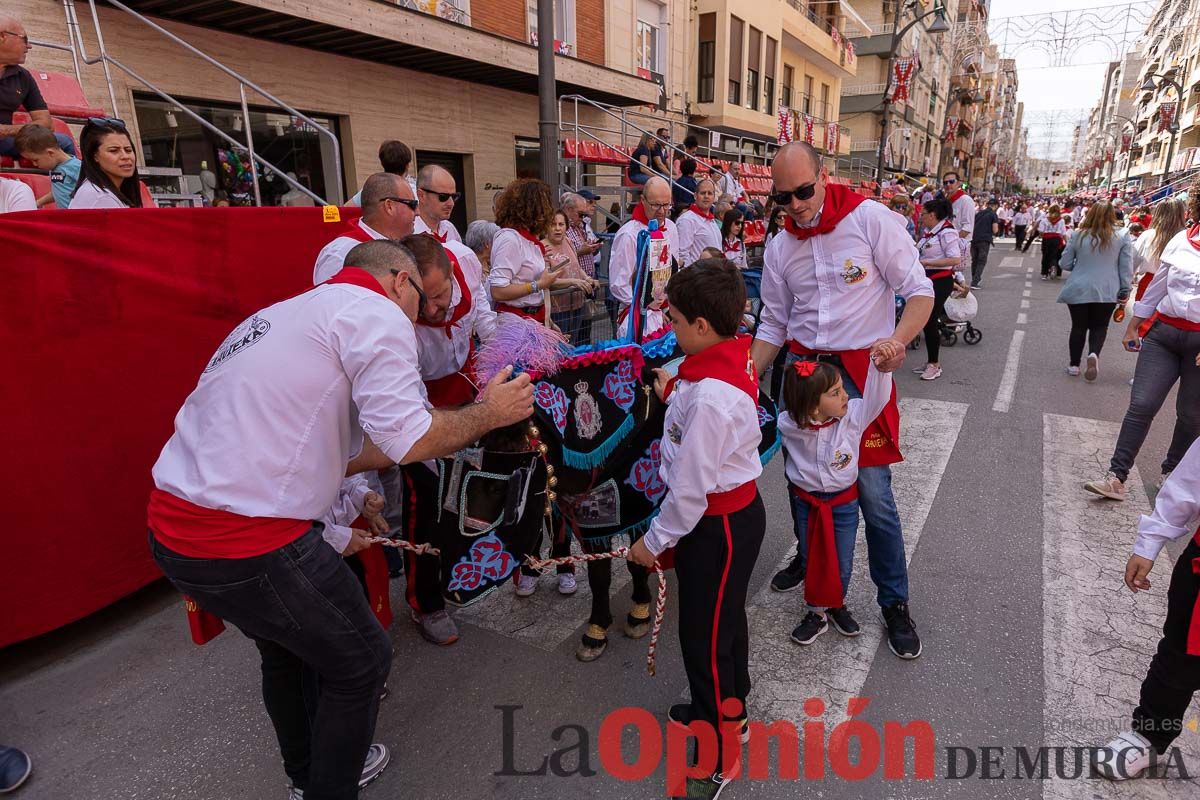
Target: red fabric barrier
{"points": [[108, 318]]}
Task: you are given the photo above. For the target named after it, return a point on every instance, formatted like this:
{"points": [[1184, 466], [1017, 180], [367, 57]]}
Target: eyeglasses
{"points": [[404, 201], [949, 182], [658, 206], [23, 37], [442, 196], [801, 193], [421, 296], [107, 122]]}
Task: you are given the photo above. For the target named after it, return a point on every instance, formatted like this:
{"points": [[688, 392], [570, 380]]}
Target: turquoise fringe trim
{"points": [[632, 531], [593, 458], [772, 450]]}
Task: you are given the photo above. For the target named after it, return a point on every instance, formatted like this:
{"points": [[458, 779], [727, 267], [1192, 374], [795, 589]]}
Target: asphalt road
{"points": [[1015, 582]]}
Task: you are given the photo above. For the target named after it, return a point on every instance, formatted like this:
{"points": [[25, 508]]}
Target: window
{"points": [[806, 101], [646, 46], [769, 80], [826, 110], [564, 24], [707, 58], [753, 63], [735, 61], [288, 142], [529, 158], [789, 77]]}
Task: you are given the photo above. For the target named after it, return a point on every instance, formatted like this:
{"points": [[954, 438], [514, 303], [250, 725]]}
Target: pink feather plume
{"points": [[527, 345]]}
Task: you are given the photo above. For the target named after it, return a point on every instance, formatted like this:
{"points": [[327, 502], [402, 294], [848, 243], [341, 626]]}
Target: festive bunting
{"points": [[902, 71], [1166, 116], [809, 123], [1126, 140], [849, 51], [832, 137], [951, 129], [784, 126]]}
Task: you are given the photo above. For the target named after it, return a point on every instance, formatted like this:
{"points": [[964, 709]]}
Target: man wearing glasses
{"points": [[389, 210], [436, 196], [622, 263], [964, 206], [828, 291], [19, 90]]}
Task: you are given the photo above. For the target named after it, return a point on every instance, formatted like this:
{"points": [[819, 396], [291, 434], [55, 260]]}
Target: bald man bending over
{"points": [[436, 195], [622, 264]]}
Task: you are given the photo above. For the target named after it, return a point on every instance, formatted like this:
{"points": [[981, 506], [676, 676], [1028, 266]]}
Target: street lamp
{"points": [[1149, 85], [937, 26]]}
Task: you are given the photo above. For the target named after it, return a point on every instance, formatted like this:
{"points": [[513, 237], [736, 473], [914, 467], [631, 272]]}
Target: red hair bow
{"points": [[805, 369]]}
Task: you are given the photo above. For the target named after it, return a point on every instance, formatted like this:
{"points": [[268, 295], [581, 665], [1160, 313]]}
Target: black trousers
{"points": [[324, 656], [979, 256], [713, 565], [1174, 676], [423, 573], [1020, 229], [942, 287], [600, 582], [1088, 321], [1051, 250]]}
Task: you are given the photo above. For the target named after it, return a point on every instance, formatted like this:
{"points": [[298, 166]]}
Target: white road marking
{"points": [[1026, 292], [1024, 304], [1028, 284], [1022, 318], [835, 668], [1098, 637], [1009, 262], [1008, 381]]}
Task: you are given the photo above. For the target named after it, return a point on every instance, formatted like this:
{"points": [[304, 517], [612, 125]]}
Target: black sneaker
{"points": [[790, 577], [812, 626], [681, 714], [902, 634], [706, 788], [843, 623]]}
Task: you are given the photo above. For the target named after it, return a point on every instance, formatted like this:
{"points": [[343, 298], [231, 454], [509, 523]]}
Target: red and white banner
{"points": [[1166, 116], [784, 126], [833, 136], [809, 123], [837, 37], [951, 129], [1126, 140], [849, 50], [902, 72]]}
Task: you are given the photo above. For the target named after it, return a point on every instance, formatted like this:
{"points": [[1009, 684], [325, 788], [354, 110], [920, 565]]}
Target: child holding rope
{"points": [[712, 513]]}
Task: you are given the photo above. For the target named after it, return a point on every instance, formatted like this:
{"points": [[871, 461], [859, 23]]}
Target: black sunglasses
{"points": [[949, 181], [442, 196], [412, 204], [420, 292], [801, 193], [107, 122]]}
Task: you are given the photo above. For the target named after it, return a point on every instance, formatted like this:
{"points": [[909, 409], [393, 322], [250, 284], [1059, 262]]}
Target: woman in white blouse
{"points": [[940, 254], [521, 269], [108, 176]]}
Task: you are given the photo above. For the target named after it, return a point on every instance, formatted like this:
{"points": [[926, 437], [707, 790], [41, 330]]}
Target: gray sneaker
{"points": [[436, 627], [377, 761]]}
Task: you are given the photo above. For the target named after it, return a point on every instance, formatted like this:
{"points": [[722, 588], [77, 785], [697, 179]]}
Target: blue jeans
{"points": [[845, 531], [7, 148], [324, 655], [885, 537]]}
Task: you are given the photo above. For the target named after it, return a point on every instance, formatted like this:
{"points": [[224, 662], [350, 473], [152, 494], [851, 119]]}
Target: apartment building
{"points": [[455, 79], [914, 142], [757, 58]]}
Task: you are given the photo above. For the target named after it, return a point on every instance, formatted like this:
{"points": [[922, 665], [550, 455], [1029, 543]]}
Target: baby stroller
{"points": [[949, 326]]}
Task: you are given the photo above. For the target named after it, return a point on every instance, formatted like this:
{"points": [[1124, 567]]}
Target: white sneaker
{"points": [[1093, 367], [919, 370], [931, 373], [526, 585], [1125, 757], [566, 583], [1073, 372]]}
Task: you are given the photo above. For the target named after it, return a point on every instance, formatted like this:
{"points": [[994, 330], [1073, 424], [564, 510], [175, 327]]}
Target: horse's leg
{"points": [[637, 624], [595, 638]]}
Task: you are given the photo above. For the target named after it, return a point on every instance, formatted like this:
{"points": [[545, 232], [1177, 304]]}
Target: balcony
{"points": [[403, 33], [807, 33]]}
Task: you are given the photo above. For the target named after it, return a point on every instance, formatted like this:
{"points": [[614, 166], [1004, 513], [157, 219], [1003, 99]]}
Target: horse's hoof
{"points": [[637, 624], [593, 645]]}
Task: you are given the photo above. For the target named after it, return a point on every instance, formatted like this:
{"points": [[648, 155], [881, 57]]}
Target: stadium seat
{"points": [[64, 96], [570, 148], [40, 184]]}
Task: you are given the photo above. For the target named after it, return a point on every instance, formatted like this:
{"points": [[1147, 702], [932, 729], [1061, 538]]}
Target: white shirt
{"points": [[89, 195], [942, 244], [622, 266], [282, 406], [1176, 508], [1077, 214], [1175, 288], [1044, 226], [731, 186], [696, 233], [16, 196], [445, 228], [1021, 218], [1142, 247], [809, 288], [964, 215], [332, 257], [735, 251], [515, 259], [710, 445], [346, 508], [440, 355], [1005, 213], [826, 459]]}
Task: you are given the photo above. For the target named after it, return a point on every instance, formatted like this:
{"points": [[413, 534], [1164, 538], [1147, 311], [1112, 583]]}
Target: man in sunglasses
{"points": [[436, 195], [622, 262], [389, 210], [299, 395], [828, 289], [18, 89], [964, 210]]}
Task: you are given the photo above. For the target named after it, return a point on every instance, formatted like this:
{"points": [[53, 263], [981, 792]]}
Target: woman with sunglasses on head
{"points": [[521, 267], [903, 206], [108, 175]]}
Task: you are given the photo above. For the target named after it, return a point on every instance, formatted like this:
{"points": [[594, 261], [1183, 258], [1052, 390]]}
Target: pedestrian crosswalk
{"points": [[1098, 637]]}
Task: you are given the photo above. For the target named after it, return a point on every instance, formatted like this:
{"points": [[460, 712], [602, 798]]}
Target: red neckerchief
{"points": [[727, 361], [734, 246], [1193, 236], [695, 209], [839, 202], [355, 231], [530, 237], [639, 213], [464, 302], [357, 276], [441, 237], [941, 226], [816, 426], [957, 194]]}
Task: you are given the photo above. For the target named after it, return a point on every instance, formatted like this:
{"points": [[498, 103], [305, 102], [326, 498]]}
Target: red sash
{"points": [[457, 388], [881, 440], [535, 313], [722, 503], [822, 573], [1180, 323]]}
